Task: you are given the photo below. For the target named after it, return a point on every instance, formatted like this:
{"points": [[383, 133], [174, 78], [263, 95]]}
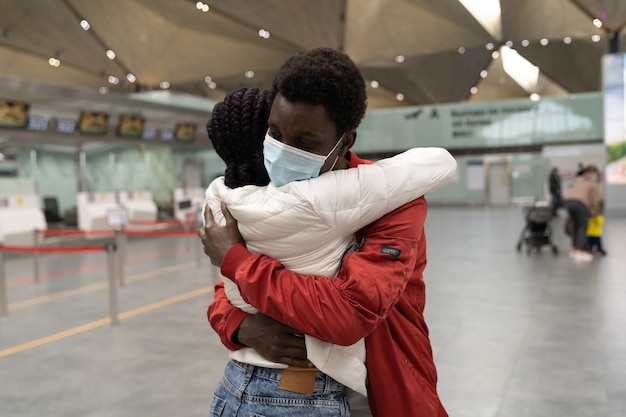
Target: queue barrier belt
{"points": [[52, 249], [158, 232], [160, 223], [75, 232]]}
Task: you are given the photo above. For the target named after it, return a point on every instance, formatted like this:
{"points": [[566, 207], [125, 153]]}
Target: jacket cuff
{"points": [[234, 321], [233, 259]]}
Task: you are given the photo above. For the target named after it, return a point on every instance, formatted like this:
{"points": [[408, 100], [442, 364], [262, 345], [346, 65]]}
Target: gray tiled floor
{"points": [[514, 335]]}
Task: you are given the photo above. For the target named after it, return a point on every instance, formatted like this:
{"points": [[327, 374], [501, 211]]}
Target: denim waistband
{"points": [[323, 382], [272, 374]]}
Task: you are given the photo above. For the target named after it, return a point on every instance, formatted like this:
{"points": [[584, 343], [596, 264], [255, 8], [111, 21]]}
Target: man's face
{"points": [[305, 126]]}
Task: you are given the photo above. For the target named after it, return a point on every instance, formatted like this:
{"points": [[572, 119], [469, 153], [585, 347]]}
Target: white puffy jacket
{"points": [[309, 225]]}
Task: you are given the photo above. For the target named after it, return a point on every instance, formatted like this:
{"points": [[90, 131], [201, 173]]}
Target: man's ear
{"points": [[348, 141]]}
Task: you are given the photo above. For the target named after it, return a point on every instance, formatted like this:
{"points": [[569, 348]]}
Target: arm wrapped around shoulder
{"points": [[356, 197], [411, 174], [429, 169]]}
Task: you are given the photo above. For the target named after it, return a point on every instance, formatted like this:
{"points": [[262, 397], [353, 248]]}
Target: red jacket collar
{"points": [[355, 160]]}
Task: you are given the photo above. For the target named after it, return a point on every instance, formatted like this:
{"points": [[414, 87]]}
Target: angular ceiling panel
{"points": [[553, 20], [456, 74], [390, 28], [611, 12], [576, 67], [443, 46]]}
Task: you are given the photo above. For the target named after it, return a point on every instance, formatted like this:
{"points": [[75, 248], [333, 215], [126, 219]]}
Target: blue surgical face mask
{"points": [[285, 163]]}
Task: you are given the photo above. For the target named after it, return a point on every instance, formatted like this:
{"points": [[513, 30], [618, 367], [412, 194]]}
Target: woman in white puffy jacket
{"points": [[308, 225]]}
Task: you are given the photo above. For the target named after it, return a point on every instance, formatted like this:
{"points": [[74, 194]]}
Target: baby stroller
{"points": [[537, 231]]}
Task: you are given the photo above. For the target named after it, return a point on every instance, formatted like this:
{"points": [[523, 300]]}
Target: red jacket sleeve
{"points": [[344, 309], [225, 319]]}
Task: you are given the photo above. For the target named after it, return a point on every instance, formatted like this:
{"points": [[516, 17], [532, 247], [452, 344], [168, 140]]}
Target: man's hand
{"points": [[216, 239], [273, 340]]}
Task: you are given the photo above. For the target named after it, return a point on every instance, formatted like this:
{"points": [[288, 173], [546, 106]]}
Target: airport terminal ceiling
{"points": [[148, 56]]}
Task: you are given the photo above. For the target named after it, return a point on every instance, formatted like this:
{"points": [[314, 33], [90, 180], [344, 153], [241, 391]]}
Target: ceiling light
{"points": [[596, 38], [103, 90], [54, 62], [489, 46], [400, 97], [203, 7], [212, 85], [85, 24], [164, 85], [544, 41], [374, 84], [474, 90], [208, 79], [597, 23], [483, 73], [535, 97], [131, 77], [461, 50], [525, 43], [249, 74], [113, 80], [264, 34], [567, 40], [399, 58], [509, 43], [495, 55], [110, 54]]}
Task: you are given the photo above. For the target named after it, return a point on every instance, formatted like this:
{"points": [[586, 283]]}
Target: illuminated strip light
{"points": [[520, 69], [487, 13]]}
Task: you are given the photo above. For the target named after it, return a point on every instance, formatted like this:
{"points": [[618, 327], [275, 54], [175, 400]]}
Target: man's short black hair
{"points": [[237, 130], [328, 77]]}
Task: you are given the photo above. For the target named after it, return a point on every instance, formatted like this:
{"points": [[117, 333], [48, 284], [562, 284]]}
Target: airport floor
{"points": [[513, 334]]}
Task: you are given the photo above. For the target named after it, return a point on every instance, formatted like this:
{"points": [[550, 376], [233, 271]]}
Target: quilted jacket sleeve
{"points": [[350, 199]]}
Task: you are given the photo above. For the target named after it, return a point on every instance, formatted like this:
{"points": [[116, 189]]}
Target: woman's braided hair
{"points": [[237, 130]]}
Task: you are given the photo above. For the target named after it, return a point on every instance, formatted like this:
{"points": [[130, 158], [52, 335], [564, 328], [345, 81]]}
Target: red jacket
{"points": [[379, 294]]}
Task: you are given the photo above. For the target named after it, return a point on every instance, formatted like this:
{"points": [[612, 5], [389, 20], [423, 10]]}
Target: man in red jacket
{"points": [[379, 293]]}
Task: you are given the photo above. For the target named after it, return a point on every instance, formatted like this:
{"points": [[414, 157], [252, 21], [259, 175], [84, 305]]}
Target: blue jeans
{"points": [[247, 390], [580, 214]]}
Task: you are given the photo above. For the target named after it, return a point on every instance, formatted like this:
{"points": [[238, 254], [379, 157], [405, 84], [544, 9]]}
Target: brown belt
{"points": [[297, 379]]}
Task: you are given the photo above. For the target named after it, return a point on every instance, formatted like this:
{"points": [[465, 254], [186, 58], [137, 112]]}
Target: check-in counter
{"points": [[20, 216], [139, 205]]}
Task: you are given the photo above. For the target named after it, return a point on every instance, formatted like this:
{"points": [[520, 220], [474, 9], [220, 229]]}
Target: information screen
{"points": [[65, 126], [185, 132], [13, 114], [92, 123], [37, 123], [130, 126]]}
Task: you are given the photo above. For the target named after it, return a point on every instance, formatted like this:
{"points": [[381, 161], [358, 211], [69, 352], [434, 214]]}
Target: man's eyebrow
{"points": [[309, 134]]}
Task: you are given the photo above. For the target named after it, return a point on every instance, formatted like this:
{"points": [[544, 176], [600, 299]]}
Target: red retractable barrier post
{"points": [[4, 309], [37, 258], [120, 241], [113, 303]]}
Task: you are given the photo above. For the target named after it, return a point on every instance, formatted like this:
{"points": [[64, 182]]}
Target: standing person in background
{"points": [[594, 230], [379, 292], [583, 195], [554, 184]]}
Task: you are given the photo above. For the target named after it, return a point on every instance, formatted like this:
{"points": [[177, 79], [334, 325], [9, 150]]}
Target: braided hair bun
{"points": [[237, 130]]}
